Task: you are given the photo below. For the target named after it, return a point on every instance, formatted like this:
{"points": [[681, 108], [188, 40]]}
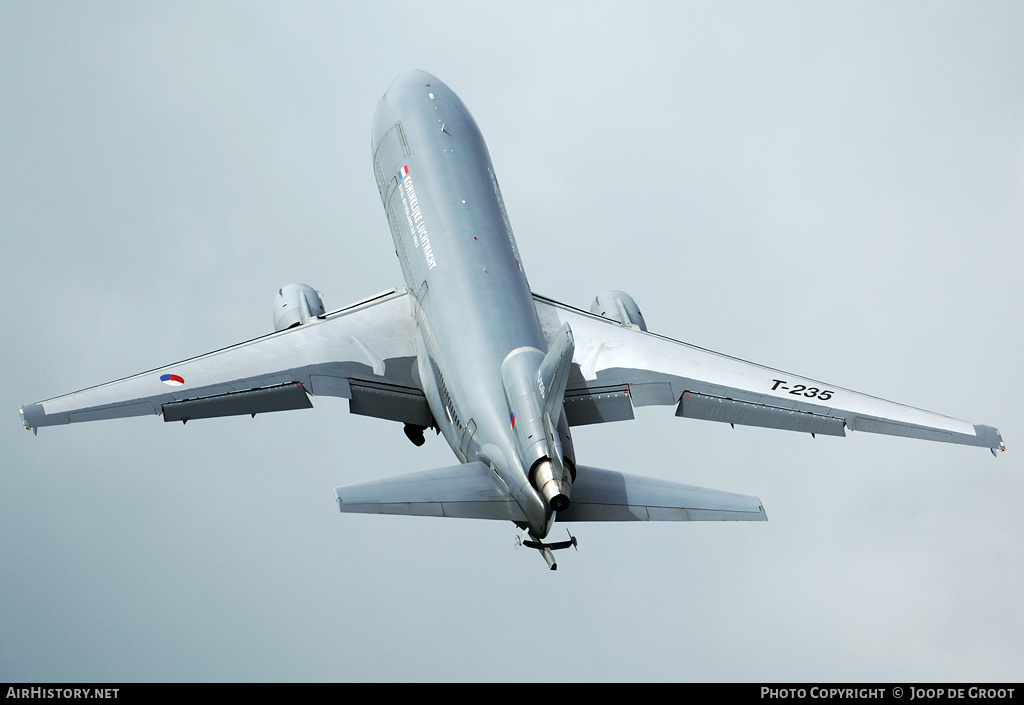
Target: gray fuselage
{"points": [[471, 298]]}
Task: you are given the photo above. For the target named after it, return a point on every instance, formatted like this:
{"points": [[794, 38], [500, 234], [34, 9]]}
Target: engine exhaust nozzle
{"points": [[547, 480]]}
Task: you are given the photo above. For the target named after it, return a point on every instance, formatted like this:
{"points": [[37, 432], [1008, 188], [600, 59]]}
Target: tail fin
{"points": [[553, 373]]}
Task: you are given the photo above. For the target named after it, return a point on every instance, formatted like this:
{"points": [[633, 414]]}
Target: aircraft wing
{"points": [[617, 367], [364, 352]]}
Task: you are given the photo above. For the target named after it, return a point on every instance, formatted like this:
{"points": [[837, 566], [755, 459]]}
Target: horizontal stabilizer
{"points": [[604, 495], [468, 491]]}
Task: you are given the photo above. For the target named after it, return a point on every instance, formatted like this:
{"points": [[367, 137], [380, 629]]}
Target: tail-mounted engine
{"points": [[295, 304], [618, 306], [534, 388]]}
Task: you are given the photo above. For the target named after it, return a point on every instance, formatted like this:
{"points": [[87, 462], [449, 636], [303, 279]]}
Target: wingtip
{"points": [[25, 423], [34, 415]]}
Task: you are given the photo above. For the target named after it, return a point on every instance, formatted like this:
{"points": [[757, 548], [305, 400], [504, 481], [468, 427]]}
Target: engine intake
{"points": [[618, 306], [295, 304]]}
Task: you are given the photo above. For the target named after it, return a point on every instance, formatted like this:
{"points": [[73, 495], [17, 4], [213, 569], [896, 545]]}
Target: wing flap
{"points": [[694, 405], [394, 403], [467, 491], [283, 397], [606, 495], [600, 405]]}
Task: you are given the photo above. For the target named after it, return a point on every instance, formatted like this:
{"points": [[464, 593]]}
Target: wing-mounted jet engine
{"points": [[295, 304], [619, 306]]}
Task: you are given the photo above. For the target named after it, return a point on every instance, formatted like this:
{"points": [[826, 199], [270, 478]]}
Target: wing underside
{"points": [[619, 367], [364, 352]]}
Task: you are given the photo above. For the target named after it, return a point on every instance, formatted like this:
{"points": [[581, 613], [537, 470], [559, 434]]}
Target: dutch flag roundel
{"points": [[173, 380]]}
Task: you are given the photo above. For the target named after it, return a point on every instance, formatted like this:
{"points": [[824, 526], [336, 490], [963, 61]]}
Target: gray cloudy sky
{"points": [[834, 189]]}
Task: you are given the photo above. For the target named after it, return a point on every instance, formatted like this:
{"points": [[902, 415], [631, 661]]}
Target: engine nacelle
{"points": [[295, 304], [618, 306], [545, 447]]}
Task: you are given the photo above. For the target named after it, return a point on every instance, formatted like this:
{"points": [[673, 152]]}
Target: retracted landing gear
{"points": [[415, 434], [546, 548]]}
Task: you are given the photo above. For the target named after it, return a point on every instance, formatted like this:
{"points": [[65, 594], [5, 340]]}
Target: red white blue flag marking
{"points": [[403, 172], [173, 380]]}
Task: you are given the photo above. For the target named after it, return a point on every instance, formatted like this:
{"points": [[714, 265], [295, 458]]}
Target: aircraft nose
{"points": [[413, 79], [390, 105]]}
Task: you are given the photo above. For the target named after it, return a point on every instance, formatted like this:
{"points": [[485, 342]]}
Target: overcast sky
{"points": [[833, 189]]}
